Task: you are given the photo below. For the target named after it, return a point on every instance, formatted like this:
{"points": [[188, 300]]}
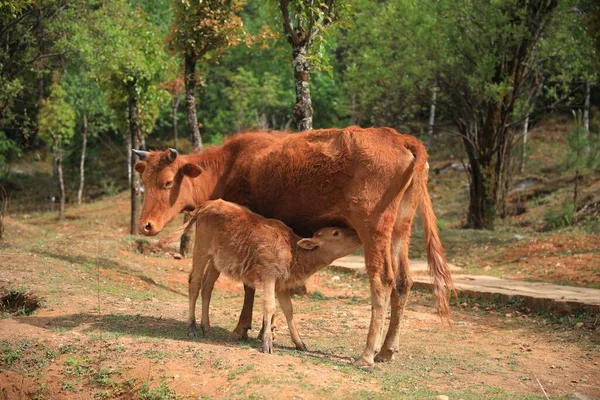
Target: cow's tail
{"points": [[176, 234], [436, 258]]}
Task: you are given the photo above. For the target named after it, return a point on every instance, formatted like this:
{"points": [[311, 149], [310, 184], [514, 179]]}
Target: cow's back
{"points": [[309, 179]]}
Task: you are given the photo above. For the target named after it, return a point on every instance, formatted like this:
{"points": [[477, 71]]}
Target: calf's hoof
{"points": [[268, 346], [364, 362], [385, 355], [191, 331], [239, 334]]}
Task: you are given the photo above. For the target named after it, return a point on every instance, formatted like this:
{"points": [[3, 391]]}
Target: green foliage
{"points": [[559, 217], [125, 54], [9, 151], [582, 147], [205, 28], [161, 392], [56, 120]]}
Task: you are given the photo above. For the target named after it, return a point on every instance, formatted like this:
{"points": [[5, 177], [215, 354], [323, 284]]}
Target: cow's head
{"points": [[168, 188]]}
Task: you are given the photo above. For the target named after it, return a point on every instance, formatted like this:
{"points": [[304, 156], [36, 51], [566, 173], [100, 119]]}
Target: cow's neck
{"points": [[213, 162]]}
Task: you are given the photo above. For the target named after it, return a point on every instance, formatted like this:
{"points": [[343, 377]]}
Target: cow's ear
{"points": [[191, 170], [140, 166], [308, 244]]}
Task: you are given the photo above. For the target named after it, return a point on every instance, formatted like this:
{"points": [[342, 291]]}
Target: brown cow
{"points": [[371, 180], [259, 252]]}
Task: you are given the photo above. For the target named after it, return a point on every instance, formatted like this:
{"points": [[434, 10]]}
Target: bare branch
{"points": [[287, 24]]}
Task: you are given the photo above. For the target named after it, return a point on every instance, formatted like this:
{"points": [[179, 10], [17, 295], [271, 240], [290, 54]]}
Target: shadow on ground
{"points": [[159, 328]]}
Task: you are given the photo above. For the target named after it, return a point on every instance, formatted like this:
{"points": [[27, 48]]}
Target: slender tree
{"points": [[56, 125], [128, 59], [303, 21], [201, 29]]}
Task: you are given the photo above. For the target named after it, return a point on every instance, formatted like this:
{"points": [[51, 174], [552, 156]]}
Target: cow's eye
{"points": [[335, 233], [168, 184]]}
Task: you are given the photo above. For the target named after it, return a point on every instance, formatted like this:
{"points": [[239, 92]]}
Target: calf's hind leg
{"points": [[285, 301], [194, 281], [208, 283], [269, 310]]}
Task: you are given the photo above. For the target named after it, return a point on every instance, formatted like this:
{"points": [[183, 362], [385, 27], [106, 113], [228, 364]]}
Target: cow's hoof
{"points": [[364, 362], [237, 336], [384, 356], [301, 347]]}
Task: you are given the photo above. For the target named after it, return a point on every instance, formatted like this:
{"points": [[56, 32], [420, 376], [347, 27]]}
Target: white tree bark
{"points": [[82, 161], [524, 151], [586, 117], [434, 90]]}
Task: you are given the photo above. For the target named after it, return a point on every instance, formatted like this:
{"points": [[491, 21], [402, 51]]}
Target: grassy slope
{"points": [[112, 325]]}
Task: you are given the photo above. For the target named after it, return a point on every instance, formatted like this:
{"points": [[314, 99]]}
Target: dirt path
{"points": [[112, 325]]}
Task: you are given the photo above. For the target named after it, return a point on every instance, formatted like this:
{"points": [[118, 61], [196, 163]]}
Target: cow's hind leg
{"points": [[245, 321], [403, 281], [379, 269]]}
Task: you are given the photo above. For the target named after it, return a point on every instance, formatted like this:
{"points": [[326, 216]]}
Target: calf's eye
{"points": [[336, 233], [168, 185]]}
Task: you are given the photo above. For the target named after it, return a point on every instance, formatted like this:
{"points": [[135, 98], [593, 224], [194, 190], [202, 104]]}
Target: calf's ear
{"points": [[191, 170], [140, 166], [308, 244]]}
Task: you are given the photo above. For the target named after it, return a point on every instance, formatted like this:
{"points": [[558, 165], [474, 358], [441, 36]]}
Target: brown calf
{"points": [[260, 252], [370, 180]]}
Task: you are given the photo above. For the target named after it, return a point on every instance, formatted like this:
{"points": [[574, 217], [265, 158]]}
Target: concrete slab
{"points": [[535, 295], [357, 264]]}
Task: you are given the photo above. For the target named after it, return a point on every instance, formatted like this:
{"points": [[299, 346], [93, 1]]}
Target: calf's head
{"points": [[331, 243], [168, 188]]}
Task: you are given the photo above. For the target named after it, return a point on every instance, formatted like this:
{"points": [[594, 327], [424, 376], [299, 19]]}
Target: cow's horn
{"points": [[172, 154], [140, 153]]}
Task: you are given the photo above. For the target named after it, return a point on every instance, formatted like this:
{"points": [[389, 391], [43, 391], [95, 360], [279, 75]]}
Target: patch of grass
{"points": [[154, 354], [10, 354], [238, 371], [317, 295], [76, 366], [161, 392]]}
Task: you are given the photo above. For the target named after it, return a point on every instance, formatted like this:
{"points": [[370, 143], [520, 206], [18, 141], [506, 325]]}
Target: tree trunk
{"points": [[61, 182], [82, 162], [303, 111], [135, 143], [194, 131], [175, 107], [431, 117], [524, 150], [586, 117], [488, 172], [190, 101], [53, 183], [129, 157]]}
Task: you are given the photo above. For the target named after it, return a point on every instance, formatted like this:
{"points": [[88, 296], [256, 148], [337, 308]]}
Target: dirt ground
{"points": [[112, 325]]}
